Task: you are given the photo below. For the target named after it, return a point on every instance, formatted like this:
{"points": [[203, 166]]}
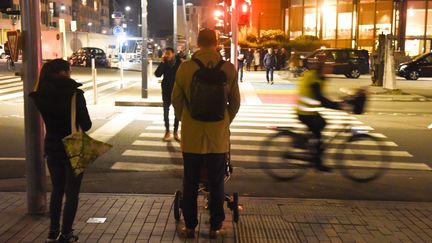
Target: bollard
{"points": [[94, 73]]}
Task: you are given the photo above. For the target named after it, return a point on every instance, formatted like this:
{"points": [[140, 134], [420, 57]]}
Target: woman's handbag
{"points": [[81, 149]]}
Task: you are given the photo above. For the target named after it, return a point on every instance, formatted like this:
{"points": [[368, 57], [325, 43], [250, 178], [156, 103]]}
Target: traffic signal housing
{"points": [[244, 13]]}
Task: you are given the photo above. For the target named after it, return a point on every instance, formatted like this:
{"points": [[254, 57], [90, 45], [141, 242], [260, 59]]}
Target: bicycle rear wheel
{"points": [[279, 158], [363, 158]]}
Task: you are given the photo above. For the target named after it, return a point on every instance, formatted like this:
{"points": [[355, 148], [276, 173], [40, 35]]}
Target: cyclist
{"points": [[311, 100]]}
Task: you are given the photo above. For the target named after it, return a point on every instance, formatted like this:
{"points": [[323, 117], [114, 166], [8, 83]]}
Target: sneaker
{"points": [[167, 137], [271, 82], [52, 237], [188, 233], [177, 137], [67, 238], [323, 168]]}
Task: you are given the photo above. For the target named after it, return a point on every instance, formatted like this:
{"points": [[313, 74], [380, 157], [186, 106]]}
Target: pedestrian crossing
{"points": [[248, 131], [11, 88]]}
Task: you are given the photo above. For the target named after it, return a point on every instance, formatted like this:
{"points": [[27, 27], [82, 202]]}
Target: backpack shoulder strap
{"points": [[197, 61], [219, 65]]}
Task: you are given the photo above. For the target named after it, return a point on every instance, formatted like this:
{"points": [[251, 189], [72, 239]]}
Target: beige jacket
{"points": [[197, 136]]}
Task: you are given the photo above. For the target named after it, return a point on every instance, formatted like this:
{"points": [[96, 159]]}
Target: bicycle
{"points": [[287, 153], [10, 65]]}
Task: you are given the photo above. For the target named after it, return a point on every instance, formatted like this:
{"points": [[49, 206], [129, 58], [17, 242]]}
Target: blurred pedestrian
{"points": [[240, 63], [256, 59], [168, 69], [262, 52], [205, 143], [53, 98], [282, 58], [249, 59], [270, 62]]}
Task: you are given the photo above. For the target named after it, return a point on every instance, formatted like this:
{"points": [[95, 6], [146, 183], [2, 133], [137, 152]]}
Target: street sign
{"points": [[117, 30], [13, 37]]}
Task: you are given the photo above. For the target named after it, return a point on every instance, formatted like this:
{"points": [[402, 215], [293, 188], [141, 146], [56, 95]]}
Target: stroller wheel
{"points": [[235, 208], [178, 197]]}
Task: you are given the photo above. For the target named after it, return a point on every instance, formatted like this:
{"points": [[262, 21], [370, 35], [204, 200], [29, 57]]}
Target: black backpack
{"points": [[208, 95]]}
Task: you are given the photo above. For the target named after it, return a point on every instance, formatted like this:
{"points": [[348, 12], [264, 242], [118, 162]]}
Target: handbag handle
{"points": [[73, 114]]}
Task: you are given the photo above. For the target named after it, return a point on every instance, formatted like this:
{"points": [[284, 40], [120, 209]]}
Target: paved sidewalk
{"points": [[149, 218]]}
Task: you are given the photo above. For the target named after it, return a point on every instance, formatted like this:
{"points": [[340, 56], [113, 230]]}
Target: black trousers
{"points": [[316, 124], [269, 70], [64, 182], [166, 98], [240, 71], [215, 167]]}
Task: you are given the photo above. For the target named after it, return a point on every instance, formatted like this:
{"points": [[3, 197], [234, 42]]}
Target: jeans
{"points": [[166, 98], [240, 71], [269, 70], [215, 167], [64, 182]]}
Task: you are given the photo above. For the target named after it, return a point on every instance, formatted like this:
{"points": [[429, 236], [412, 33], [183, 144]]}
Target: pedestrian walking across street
{"points": [[270, 62]]}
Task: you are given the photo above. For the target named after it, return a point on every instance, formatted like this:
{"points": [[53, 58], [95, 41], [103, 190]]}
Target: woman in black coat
{"points": [[53, 100]]}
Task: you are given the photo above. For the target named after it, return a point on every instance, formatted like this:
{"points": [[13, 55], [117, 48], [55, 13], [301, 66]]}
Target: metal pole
{"points": [[32, 61], [186, 29], [94, 81], [144, 56], [175, 25], [234, 33]]}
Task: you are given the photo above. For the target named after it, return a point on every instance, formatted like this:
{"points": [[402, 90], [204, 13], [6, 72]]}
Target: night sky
{"points": [[160, 13]]}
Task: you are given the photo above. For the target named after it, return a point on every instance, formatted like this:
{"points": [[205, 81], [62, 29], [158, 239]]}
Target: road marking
{"points": [[145, 167], [234, 147], [116, 124], [12, 159], [249, 93]]}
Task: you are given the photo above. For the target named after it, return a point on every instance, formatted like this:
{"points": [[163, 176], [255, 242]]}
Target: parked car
{"points": [[350, 62], [420, 66], [2, 52], [83, 57]]}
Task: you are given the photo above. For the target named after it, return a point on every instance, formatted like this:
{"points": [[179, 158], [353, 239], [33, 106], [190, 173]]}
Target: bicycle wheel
{"points": [[279, 158], [362, 158]]}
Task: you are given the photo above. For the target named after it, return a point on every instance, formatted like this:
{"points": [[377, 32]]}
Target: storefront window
{"points": [[296, 25], [384, 13], [366, 19], [416, 13], [310, 21], [310, 3], [429, 21], [344, 19], [328, 10]]}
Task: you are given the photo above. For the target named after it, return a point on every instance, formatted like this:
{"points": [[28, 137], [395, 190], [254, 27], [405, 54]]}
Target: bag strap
{"points": [[73, 114], [197, 61], [220, 63]]}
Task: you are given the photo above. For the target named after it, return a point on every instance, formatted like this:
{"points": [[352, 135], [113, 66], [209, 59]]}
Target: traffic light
{"points": [[5, 4], [244, 12]]}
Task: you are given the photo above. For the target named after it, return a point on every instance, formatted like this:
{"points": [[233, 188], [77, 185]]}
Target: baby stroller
{"points": [[232, 201]]}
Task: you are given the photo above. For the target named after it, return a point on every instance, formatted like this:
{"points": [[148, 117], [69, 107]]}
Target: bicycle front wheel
{"points": [[279, 158], [363, 158]]}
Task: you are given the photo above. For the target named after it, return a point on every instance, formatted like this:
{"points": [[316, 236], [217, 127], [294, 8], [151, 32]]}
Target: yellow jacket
{"points": [[197, 136]]}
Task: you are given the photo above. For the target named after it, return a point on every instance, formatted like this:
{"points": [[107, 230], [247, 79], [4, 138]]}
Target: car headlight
{"points": [[403, 67]]}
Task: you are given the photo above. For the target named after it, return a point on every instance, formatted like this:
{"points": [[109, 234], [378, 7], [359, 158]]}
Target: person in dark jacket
{"points": [[168, 68], [269, 62], [249, 58], [53, 100]]}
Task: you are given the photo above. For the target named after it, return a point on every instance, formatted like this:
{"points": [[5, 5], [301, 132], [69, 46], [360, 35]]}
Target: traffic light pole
{"points": [[32, 61], [144, 55], [234, 32]]}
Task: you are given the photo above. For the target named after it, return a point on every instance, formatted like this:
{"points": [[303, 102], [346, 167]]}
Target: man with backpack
{"points": [[206, 99]]}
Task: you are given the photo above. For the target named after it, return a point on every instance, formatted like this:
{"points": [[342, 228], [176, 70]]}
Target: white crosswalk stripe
{"points": [[11, 88], [248, 131]]}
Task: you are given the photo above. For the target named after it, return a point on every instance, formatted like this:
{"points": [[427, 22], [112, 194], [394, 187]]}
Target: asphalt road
{"points": [[403, 123]]}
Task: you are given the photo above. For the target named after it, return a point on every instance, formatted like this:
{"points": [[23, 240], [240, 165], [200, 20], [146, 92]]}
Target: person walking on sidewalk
{"points": [[249, 59], [270, 62], [240, 63], [53, 98], [168, 68], [205, 143], [256, 59]]}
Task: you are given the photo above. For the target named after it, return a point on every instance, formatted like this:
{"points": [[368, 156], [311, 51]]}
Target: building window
{"points": [[328, 10], [310, 21], [366, 19], [84, 2], [95, 5], [384, 13], [345, 19]]}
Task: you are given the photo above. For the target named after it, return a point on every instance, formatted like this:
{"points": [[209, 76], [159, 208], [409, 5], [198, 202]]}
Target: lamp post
{"points": [[144, 55], [175, 25]]}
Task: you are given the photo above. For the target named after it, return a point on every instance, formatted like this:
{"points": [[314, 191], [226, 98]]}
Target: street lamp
{"points": [[89, 25], [127, 8]]}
